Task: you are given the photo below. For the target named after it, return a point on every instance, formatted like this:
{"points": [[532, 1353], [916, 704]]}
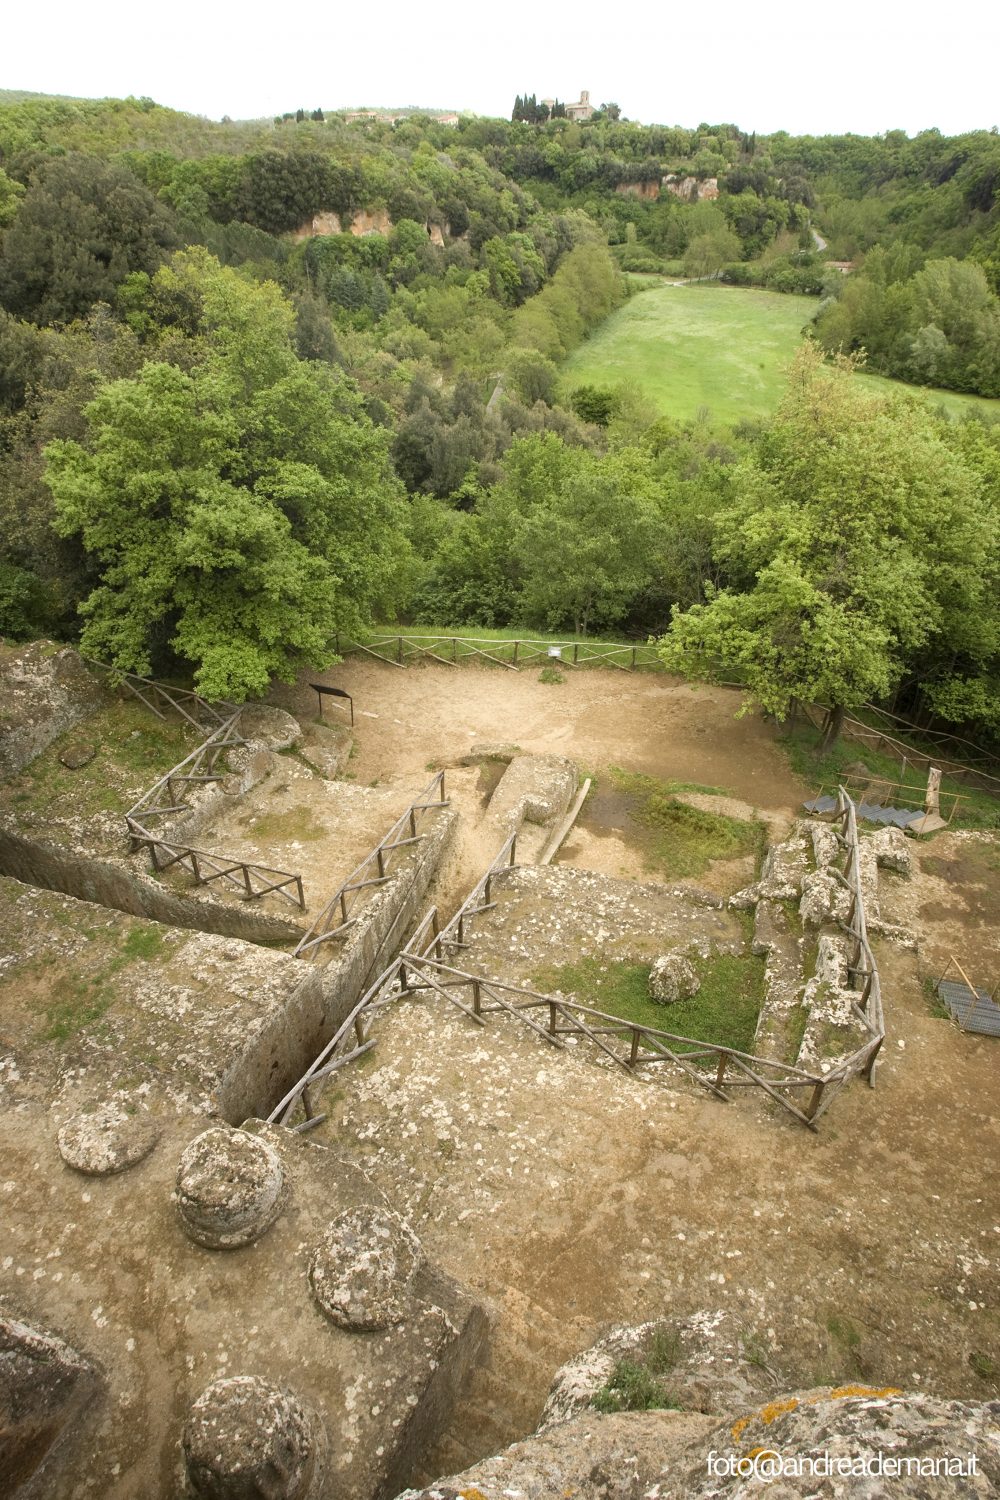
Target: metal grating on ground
{"points": [[972, 1009], [872, 812]]}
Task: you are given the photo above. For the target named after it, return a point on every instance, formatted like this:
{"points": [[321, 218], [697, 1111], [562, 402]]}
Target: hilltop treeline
{"points": [[226, 432]]}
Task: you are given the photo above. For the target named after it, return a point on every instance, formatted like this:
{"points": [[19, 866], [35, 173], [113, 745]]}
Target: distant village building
{"points": [[582, 109]]}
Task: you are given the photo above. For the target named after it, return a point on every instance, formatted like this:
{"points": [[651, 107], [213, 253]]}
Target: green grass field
{"points": [[708, 347]]}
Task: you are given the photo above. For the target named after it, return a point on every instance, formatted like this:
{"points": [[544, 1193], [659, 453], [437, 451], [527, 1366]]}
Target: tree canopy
{"points": [[239, 512], [855, 539]]}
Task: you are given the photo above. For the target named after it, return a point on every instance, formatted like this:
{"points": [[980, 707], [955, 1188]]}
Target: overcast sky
{"points": [[803, 68]]}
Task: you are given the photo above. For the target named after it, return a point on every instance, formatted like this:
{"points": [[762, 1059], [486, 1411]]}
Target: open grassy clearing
{"points": [[724, 1010], [724, 350]]}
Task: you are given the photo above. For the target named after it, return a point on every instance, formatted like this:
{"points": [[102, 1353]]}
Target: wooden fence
{"points": [[373, 870], [718, 1069], [450, 650], [910, 754], [167, 798], [158, 696]]}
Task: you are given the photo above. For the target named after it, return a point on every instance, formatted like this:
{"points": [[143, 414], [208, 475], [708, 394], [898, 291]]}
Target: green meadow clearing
{"points": [[724, 350]]}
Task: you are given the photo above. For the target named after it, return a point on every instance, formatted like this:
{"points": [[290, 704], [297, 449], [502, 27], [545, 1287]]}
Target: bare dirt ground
{"points": [[406, 718], [573, 1198], [410, 722]]}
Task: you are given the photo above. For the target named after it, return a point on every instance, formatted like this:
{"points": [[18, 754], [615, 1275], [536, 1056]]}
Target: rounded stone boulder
{"points": [[673, 978], [269, 726], [106, 1139], [361, 1272], [229, 1188], [247, 1440]]}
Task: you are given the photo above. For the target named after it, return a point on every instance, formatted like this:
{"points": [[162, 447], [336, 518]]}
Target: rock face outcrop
{"points": [[229, 1188], [44, 691], [246, 1439], [107, 1139], [362, 1272], [44, 1384], [824, 1444]]}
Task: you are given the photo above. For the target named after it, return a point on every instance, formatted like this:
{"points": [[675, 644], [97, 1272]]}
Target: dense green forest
{"points": [[227, 432]]}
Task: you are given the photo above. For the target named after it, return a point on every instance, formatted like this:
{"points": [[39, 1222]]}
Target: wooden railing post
{"points": [[815, 1098], [720, 1071]]}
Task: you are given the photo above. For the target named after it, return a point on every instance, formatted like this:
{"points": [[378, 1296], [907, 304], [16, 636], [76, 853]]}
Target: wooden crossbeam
{"points": [[515, 1010], [453, 1000]]}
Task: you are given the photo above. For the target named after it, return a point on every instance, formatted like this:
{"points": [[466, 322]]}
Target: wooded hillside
{"points": [[263, 380]]}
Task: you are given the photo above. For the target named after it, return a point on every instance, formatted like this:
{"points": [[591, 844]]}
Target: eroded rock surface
{"points": [[106, 1139], [673, 978], [664, 1455], [43, 1385], [44, 690]]}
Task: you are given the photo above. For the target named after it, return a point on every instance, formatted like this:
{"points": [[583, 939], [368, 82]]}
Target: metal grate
{"points": [[972, 1009], [871, 812]]}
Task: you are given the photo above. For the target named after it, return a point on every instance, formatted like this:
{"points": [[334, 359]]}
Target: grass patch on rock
{"points": [[680, 840], [725, 1009], [132, 750], [637, 1383]]}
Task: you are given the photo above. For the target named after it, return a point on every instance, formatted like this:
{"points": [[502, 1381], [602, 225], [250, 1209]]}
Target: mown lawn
{"points": [[715, 349]]}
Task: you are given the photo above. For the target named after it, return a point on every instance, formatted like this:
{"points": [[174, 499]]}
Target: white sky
{"points": [[804, 68]]}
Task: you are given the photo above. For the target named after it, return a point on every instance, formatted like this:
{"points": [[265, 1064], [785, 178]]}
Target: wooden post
{"points": [[815, 1098], [720, 1071], [399, 651], [454, 648], [868, 1071], [359, 1031], [634, 1053], [553, 1011], [633, 658], [932, 802], [576, 652], [477, 1002], [515, 653], [380, 856]]}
